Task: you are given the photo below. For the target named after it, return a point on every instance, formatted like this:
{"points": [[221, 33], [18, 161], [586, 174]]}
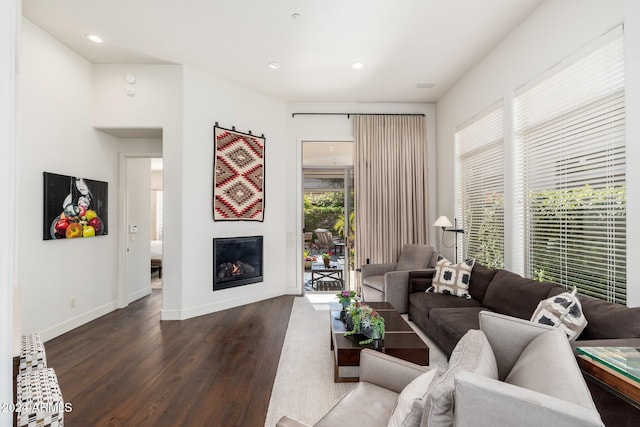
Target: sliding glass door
{"points": [[328, 224]]}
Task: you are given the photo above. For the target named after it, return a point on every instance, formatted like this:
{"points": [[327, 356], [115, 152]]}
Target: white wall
{"points": [[551, 33], [56, 136], [207, 100], [186, 103], [9, 28], [337, 128], [156, 105]]}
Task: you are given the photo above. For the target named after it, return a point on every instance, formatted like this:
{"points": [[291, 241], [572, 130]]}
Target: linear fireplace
{"points": [[237, 261]]}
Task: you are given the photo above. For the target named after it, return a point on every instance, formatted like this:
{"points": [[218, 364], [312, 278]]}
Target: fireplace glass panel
{"points": [[237, 261]]}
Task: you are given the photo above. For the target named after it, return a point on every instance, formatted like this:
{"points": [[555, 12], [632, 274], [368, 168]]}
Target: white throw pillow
{"points": [[410, 403], [452, 279], [562, 311], [473, 353]]}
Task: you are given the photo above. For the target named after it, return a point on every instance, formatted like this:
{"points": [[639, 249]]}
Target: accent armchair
{"points": [[390, 282], [511, 372]]}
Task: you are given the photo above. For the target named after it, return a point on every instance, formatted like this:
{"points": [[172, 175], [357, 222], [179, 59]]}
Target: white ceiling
{"points": [[401, 43]]}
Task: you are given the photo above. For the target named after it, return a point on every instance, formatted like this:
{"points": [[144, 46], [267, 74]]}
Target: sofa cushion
{"points": [[379, 403], [448, 325], [427, 301], [562, 311], [472, 354], [547, 365], [414, 257], [375, 282], [410, 404], [452, 279], [481, 276], [420, 280], [513, 295], [609, 320]]}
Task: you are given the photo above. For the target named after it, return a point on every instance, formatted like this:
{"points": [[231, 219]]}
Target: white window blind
{"points": [[159, 214], [570, 127], [480, 186]]}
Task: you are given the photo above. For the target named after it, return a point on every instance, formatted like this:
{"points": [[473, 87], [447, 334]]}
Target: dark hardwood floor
{"points": [[129, 368]]}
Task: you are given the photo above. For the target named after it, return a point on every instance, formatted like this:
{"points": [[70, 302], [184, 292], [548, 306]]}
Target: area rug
{"points": [[238, 176], [304, 387]]}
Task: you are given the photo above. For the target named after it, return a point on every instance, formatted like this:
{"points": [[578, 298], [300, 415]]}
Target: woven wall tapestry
{"points": [[238, 188]]}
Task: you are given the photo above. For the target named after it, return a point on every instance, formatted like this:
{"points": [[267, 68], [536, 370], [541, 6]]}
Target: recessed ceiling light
{"points": [[93, 38], [273, 65], [424, 85], [295, 15], [357, 65]]}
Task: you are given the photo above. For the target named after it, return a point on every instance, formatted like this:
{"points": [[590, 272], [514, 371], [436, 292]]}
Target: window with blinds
{"points": [[159, 215], [570, 129], [480, 186]]}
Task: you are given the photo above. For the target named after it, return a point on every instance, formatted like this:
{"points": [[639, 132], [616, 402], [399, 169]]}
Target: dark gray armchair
{"points": [[390, 282]]}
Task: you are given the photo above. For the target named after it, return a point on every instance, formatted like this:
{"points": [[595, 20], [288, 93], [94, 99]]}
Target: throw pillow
{"points": [[473, 353], [562, 311], [410, 403], [452, 279]]}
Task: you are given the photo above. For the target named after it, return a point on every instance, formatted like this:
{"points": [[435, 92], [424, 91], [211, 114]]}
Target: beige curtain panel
{"points": [[390, 186]]}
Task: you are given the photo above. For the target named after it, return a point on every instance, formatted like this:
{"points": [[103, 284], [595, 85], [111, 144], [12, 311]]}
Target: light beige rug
{"points": [[304, 387]]}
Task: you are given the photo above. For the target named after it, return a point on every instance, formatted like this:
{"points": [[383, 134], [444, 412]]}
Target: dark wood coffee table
{"points": [[400, 341]]}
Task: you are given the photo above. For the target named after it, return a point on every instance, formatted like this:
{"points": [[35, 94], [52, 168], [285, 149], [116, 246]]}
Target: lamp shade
{"points": [[443, 222]]}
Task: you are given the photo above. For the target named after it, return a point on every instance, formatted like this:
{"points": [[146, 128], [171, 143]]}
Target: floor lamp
{"points": [[444, 223]]}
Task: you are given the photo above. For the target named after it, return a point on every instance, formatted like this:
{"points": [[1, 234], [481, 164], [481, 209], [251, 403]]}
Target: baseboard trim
{"points": [[201, 310], [74, 322], [138, 294]]}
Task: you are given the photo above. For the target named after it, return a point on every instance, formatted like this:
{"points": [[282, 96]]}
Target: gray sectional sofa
{"points": [[446, 318]]}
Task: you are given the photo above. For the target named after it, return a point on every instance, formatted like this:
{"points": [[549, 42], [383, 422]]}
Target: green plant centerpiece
{"points": [[365, 321], [345, 298]]}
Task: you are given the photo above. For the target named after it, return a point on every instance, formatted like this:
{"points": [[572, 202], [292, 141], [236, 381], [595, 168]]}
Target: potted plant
{"points": [[308, 260], [326, 258], [345, 298], [366, 321]]}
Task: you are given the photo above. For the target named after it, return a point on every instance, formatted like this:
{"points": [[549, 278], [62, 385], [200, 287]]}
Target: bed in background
{"points": [[156, 257]]}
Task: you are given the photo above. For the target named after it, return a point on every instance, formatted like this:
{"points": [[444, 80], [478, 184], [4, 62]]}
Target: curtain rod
{"points": [[357, 114]]}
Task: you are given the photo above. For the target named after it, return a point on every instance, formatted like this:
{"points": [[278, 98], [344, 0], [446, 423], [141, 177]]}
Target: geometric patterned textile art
{"points": [[238, 190]]}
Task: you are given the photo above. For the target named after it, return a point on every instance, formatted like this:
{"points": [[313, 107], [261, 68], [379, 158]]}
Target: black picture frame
{"points": [[76, 200]]}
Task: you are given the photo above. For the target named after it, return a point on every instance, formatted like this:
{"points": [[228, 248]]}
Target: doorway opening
{"points": [[329, 218]]}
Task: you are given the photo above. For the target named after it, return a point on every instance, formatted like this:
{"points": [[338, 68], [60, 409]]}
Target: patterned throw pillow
{"points": [[452, 279], [562, 311]]}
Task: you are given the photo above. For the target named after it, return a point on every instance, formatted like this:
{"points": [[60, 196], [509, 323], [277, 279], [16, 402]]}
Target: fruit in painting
{"points": [[73, 230], [90, 214], [88, 231], [96, 224], [61, 226]]}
